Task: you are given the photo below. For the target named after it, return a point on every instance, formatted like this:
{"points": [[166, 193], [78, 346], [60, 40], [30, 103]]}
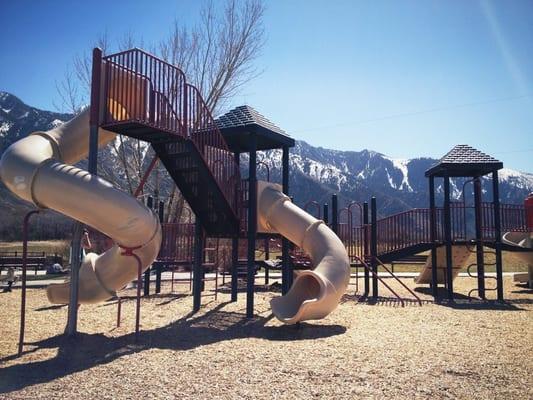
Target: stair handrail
{"points": [[219, 142], [398, 280], [365, 265]]}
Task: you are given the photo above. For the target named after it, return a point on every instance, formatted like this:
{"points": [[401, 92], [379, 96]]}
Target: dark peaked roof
{"points": [[237, 124], [246, 115], [464, 160]]}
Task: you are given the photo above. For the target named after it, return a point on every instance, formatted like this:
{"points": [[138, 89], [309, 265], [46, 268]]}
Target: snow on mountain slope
{"points": [[316, 172]]}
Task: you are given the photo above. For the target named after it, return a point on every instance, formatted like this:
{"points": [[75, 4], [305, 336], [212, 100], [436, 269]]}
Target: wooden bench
{"points": [[35, 260]]}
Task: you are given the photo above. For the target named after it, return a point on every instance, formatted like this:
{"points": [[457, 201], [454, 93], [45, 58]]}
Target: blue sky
{"points": [[405, 78]]}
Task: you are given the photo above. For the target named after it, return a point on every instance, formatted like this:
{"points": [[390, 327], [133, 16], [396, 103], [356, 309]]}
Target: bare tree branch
{"points": [[217, 56]]}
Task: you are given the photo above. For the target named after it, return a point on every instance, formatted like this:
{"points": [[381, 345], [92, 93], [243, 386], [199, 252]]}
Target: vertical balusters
{"points": [[134, 89], [129, 95]]}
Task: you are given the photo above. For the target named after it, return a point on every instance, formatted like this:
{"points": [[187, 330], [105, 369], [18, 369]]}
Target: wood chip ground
{"points": [[471, 350]]}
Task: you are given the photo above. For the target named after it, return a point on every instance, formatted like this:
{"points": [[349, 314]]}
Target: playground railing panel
{"points": [[353, 239], [213, 147], [412, 227], [141, 88], [403, 230], [512, 219], [177, 242]]}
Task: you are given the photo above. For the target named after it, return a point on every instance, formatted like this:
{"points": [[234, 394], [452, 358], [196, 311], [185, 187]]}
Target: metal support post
{"points": [[252, 226]]}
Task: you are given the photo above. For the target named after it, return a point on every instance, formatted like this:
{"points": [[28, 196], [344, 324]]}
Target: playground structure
{"points": [[135, 94]]}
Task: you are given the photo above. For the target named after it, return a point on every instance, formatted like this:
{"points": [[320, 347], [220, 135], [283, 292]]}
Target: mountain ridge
{"points": [[316, 172]]}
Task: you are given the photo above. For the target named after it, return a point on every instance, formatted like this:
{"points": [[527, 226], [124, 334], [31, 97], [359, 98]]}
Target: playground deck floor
{"points": [[473, 350]]}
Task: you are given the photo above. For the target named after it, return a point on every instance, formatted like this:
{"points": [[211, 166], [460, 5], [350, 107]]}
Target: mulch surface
{"points": [[469, 349]]}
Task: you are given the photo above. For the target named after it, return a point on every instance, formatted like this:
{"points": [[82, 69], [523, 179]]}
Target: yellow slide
{"points": [[37, 169], [314, 294]]}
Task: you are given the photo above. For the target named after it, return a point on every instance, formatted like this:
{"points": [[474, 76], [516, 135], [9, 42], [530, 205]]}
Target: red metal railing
{"points": [[412, 227], [402, 230], [512, 219], [352, 235], [213, 147], [140, 88], [177, 243]]}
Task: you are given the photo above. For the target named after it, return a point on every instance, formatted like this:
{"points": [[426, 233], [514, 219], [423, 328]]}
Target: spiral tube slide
{"points": [[37, 169], [314, 293]]}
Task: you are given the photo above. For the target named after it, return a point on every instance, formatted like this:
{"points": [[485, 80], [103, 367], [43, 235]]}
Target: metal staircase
{"points": [[149, 99]]}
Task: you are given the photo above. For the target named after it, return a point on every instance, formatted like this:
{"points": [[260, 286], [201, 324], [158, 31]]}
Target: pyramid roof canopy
{"points": [[466, 161], [238, 124]]}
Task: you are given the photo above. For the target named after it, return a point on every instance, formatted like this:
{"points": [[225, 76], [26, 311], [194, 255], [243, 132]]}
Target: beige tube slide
{"points": [[314, 293], [524, 240], [37, 169]]}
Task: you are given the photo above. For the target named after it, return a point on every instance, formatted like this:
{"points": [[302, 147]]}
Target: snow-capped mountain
{"points": [[316, 173], [18, 119], [398, 184]]}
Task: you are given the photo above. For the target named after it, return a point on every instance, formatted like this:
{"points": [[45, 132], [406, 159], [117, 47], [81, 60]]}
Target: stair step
{"points": [[179, 154], [193, 177], [186, 170]]}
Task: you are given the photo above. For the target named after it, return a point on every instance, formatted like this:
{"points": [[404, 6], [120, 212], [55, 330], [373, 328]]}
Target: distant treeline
{"points": [[43, 226]]}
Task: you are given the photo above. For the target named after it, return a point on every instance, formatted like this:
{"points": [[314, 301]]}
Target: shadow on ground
{"points": [[463, 302], [88, 350]]}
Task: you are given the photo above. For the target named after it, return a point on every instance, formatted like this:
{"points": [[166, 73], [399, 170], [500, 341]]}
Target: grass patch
{"points": [[59, 247]]}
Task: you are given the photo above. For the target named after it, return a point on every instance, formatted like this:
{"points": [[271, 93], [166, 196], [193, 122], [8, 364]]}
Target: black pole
{"points": [[373, 245], [146, 287], [252, 226], [197, 266], [94, 118], [366, 248], [72, 318], [498, 234], [267, 257], [235, 247], [94, 124], [433, 238], [326, 214], [234, 265], [290, 273], [285, 245], [480, 259], [161, 212], [448, 238], [334, 214], [159, 266]]}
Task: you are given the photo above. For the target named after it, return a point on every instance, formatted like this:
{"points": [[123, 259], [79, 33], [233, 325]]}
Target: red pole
{"points": [[138, 306], [128, 251], [23, 291], [145, 176]]}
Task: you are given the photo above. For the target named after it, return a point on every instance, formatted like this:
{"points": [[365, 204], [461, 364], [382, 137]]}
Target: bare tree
{"points": [[217, 56]]}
